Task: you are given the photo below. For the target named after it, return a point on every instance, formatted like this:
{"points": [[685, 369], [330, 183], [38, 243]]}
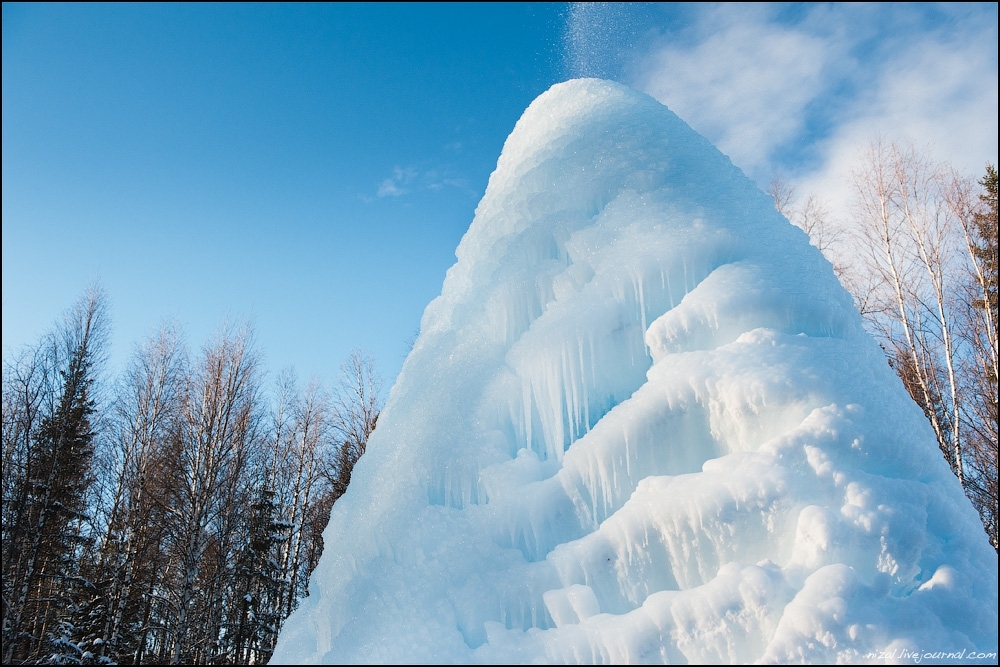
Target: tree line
{"points": [[919, 255], [174, 514]]}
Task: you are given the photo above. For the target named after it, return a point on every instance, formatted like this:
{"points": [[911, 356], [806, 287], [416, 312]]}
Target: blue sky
{"points": [[314, 167]]}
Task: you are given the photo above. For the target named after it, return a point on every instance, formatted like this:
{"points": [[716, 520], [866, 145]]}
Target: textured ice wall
{"points": [[642, 423]]}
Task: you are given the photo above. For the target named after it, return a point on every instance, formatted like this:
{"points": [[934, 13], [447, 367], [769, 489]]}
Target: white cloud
{"points": [[389, 188], [938, 91], [408, 180], [394, 186], [798, 90], [745, 83]]}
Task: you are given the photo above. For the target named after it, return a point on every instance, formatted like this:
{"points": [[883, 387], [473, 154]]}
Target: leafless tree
{"points": [[783, 194], [907, 254], [219, 420], [137, 474], [313, 440], [813, 216], [357, 401], [301, 441]]}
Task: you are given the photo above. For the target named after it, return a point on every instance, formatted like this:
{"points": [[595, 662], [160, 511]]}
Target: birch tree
{"points": [[310, 442], [138, 474], [907, 244], [219, 420], [356, 406], [925, 278]]}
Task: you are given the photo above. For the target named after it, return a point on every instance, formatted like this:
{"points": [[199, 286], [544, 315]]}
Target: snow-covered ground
{"points": [[643, 423]]}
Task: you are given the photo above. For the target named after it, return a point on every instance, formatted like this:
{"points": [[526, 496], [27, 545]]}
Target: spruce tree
{"points": [[49, 594], [983, 410], [986, 245], [259, 587]]}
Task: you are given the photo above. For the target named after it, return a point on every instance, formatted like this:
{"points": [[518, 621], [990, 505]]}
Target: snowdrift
{"points": [[643, 423]]}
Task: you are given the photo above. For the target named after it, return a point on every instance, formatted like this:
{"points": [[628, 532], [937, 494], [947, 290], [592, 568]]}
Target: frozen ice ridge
{"points": [[643, 424]]}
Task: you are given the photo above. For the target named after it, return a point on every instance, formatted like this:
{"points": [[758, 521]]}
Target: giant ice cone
{"points": [[643, 423]]}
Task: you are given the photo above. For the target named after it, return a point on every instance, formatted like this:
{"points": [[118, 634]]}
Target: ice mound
{"points": [[643, 423]]}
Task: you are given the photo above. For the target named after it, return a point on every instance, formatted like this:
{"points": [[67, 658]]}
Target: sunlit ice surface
{"points": [[642, 423]]}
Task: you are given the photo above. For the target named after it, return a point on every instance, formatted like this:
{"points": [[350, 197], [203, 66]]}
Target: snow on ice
{"points": [[643, 423]]}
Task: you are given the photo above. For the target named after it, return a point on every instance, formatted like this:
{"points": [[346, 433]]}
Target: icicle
{"points": [[583, 382], [642, 302], [526, 406]]}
